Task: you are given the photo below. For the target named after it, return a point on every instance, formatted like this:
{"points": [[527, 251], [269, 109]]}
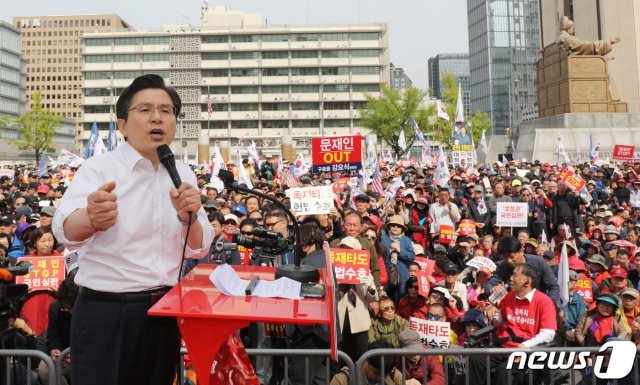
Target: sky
{"points": [[418, 29]]}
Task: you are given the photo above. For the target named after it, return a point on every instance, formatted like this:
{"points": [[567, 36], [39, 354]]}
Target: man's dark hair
{"points": [[508, 245], [144, 82], [277, 213], [412, 280], [377, 361], [310, 234], [68, 290], [251, 197], [530, 272], [215, 216], [353, 213], [413, 263]]}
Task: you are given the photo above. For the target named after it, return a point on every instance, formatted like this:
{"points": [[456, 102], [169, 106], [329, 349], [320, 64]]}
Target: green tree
{"points": [[391, 113], [37, 127]]}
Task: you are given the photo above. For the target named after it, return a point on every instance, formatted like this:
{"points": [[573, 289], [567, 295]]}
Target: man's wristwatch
{"points": [[194, 218]]}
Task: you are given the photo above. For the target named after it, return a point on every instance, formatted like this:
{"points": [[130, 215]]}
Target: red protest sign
{"points": [[47, 273], [467, 227], [583, 287], [446, 234], [337, 153], [573, 181], [350, 265], [426, 264], [339, 185], [622, 152], [245, 255], [423, 284]]}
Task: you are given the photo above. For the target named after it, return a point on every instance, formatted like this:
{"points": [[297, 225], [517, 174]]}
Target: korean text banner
{"points": [[512, 214], [350, 265], [311, 200], [336, 154], [47, 273], [436, 334]]}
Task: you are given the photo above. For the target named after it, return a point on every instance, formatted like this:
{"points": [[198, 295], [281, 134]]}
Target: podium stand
{"points": [[207, 317]]}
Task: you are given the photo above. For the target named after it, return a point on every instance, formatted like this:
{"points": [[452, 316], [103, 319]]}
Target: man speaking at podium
{"points": [[128, 224]]}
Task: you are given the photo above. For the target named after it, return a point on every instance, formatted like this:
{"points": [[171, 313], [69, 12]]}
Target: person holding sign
{"points": [[443, 211], [525, 318]]}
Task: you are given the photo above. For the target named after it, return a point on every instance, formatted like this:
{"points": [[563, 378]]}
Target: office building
{"points": [[504, 46], [52, 48], [13, 73], [456, 64], [261, 82], [399, 79], [598, 20]]}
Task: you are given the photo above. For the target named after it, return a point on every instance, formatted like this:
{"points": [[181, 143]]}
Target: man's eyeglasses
{"points": [[434, 317], [371, 238], [230, 223], [389, 308], [146, 109], [272, 224]]}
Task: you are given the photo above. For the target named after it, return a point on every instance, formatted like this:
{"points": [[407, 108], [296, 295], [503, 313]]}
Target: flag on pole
{"points": [[483, 144], [442, 111], [88, 151], [209, 106], [242, 173], [253, 151], [280, 167], [42, 165], [301, 167], [111, 139], [442, 171], [563, 275], [402, 142], [290, 178], [387, 157], [459, 106], [595, 150], [513, 147]]}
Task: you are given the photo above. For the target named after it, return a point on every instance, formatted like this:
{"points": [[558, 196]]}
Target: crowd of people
{"points": [[519, 294]]}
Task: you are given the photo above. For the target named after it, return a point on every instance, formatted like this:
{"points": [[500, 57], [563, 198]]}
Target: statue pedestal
{"points": [[578, 83]]}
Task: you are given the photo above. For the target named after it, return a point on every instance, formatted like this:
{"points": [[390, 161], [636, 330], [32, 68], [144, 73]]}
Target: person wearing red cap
{"points": [[621, 192], [618, 281]]}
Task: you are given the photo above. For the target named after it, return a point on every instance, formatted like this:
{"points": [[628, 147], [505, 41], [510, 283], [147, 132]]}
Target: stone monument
{"points": [[577, 100]]}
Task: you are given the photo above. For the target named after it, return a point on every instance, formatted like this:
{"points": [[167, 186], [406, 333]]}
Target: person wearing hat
{"points": [[629, 300], [22, 214], [571, 312], [618, 281], [472, 321], [598, 266], [525, 318], [621, 192], [46, 215], [512, 253], [414, 368], [609, 323], [479, 210], [453, 285], [363, 203], [400, 250], [16, 247]]}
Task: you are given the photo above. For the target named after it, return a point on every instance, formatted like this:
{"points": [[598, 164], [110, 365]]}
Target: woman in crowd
{"points": [[43, 242], [388, 324], [596, 325], [412, 304], [399, 248]]}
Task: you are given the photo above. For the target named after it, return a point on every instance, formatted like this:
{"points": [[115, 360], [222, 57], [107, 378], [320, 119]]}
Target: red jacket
{"points": [[435, 371], [417, 309]]}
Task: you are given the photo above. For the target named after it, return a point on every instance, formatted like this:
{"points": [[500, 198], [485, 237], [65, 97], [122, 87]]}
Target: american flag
{"points": [[376, 184], [209, 107], [290, 177]]}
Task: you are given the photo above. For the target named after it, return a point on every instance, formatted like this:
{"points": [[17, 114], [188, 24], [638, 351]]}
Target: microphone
{"points": [[169, 162]]}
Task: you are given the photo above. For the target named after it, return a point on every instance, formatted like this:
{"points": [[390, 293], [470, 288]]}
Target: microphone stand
{"points": [[297, 272]]}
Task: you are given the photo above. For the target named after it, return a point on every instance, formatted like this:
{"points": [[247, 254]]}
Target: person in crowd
{"points": [[123, 208], [453, 285], [412, 304], [414, 365], [388, 325], [443, 212], [629, 301], [400, 250], [572, 311], [44, 242], [605, 321]]}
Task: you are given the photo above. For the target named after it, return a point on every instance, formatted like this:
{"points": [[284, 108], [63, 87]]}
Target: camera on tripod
{"points": [[266, 245]]}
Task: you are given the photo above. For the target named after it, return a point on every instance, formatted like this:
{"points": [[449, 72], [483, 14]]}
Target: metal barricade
{"points": [[548, 373], [10, 354], [59, 361]]}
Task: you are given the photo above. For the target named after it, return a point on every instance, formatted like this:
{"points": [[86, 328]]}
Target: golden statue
{"points": [[577, 46]]}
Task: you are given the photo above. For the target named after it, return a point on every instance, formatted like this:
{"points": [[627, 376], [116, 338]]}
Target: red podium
{"points": [[207, 317]]}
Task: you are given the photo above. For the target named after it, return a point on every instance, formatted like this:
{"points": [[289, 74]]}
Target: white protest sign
{"points": [[512, 214], [486, 182], [436, 334], [522, 173], [311, 200], [482, 262], [7, 172]]}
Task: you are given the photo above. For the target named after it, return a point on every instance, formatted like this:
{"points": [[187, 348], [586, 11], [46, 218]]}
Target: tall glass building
{"points": [[13, 73], [504, 45], [456, 63]]}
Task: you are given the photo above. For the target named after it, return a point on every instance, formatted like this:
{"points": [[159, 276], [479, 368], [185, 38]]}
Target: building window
{"points": [[275, 54], [304, 37], [127, 58], [335, 71], [97, 59], [365, 70], [336, 106], [275, 89], [152, 57], [275, 38], [244, 38], [244, 72], [156, 40], [365, 88], [244, 90], [217, 90], [305, 106], [309, 123], [365, 36], [244, 124], [340, 36], [215, 38], [127, 41], [98, 75], [304, 71], [304, 54], [275, 72], [214, 56], [216, 73], [365, 53], [244, 106], [335, 53], [248, 55], [275, 106], [305, 89], [97, 42], [275, 124], [336, 88]]}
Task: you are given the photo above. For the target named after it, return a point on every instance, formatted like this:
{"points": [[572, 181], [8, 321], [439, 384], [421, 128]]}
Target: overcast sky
{"points": [[419, 29]]}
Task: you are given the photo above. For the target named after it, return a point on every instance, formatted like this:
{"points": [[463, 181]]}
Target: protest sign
{"points": [[467, 227], [512, 214], [583, 287], [482, 262], [47, 273], [423, 284], [245, 255], [311, 200], [350, 265], [7, 172], [436, 334], [336, 154], [622, 152], [339, 185], [446, 234], [573, 181], [426, 264]]}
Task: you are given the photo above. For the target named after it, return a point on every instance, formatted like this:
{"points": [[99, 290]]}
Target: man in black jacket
{"points": [[479, 210], [512, 253], [566, 206]]}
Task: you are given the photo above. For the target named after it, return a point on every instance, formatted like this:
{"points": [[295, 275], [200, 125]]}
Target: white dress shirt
{"points": [[143, 249]]}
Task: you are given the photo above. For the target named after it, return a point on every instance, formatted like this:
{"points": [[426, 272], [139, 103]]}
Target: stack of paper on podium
{"points": [[228, 281]]}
